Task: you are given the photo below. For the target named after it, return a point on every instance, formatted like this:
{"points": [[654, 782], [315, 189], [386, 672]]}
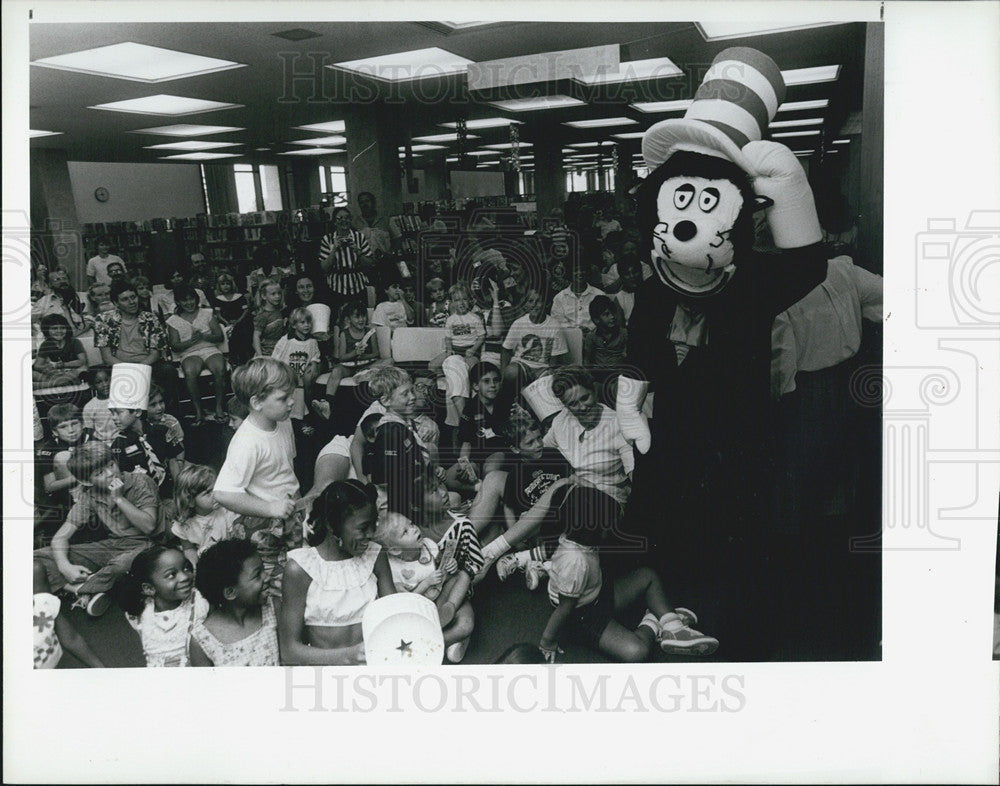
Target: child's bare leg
{"points": [[337, 374], [461, 627], [217, 365], [641, 583], [487, 501], [453, 595], [625, 645], [437, 362], [308, 378]]}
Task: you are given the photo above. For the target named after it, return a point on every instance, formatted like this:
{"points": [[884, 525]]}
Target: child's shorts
{"points": [[274, 538], [587, 623]]}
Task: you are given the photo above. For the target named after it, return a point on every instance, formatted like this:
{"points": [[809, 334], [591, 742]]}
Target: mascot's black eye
{"points": [[683, 196], [709, 199]]}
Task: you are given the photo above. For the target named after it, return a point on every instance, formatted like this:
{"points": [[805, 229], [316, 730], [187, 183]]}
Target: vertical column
{"points": [[623, 177], [53, 214], [550, 180], [373, 137], [870, 228]]}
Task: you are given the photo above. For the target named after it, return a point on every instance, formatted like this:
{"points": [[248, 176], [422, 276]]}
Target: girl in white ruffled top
{"points": [[328, 585], [162, 605]]}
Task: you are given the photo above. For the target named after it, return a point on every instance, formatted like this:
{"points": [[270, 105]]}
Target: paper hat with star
{"points": [[130, 386], [734, 105], [402, 630]]}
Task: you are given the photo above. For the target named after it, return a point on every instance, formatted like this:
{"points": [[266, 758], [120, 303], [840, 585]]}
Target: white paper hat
{"points": [[130, 386], [543, 400], [320, 313], [402, 630]]}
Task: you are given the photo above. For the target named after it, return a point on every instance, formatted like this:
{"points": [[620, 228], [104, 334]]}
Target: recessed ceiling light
{"points": [[262, 149], [138, 62], [604, 122], [662, 106], [795, 106], [716, 31], [832, 150], [483, 153], [811, 76], [442, 137], [321, 141], [541, 102], [630, 135], [185, 129], [452, 159], [312, 151], [586, 144], [192, 144], [506, 146], [163, 104], [812, 121], [425, 148], [297, 34], [463, 25], [632, 70], [406, 66], [483, 122], [330, 127], [814, 132], [803, 152], [32, 133], [200, 156], [841, 142]]}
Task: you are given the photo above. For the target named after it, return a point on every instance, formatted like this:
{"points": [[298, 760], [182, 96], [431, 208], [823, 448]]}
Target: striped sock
{"points": [[495, 549]]}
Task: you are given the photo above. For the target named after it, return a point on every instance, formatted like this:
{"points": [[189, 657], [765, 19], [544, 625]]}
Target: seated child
{"points": [[586, 601], [53, 482], [257, 479], [301, 352], [391, 312], [96, 416], [604, 347], [60, 359], [162, 605], [480, 431], [355, 349], [53, 631], [439, 307], [142, 447], [242, 628], [418, 566], [200, 521], [124, 503], [237, 412], [268, 321], [158, 418], [464, 336], [414, 308], [456, 538]]}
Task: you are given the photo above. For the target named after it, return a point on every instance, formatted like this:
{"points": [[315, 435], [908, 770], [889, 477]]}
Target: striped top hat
{"points": [[736, 101]]}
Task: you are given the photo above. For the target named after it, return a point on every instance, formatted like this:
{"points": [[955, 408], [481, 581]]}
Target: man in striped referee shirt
{"points": [[344, 254]]}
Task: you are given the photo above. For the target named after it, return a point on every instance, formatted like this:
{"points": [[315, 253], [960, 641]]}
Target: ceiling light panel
{"points": [[192, 144], [630, 135], [716, 31], [811, 76], [506, 145], [662, 106], [321, 141], [200, 156], [783, 134], [33, 134], [186, 129], [796, 106], [330, 127], [812, 121], [605, 122], [635, 70], [408, 66], [484, 122], [312, 151], [841, 142], [163, 104], [442, 137], [539, 103], [138, 62]]}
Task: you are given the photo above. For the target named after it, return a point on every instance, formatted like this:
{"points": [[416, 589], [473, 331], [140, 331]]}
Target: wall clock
{"points": [[101, 194]]}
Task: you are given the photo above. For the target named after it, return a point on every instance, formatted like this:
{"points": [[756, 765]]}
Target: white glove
{"points": [[633, 424], [780, 177]]}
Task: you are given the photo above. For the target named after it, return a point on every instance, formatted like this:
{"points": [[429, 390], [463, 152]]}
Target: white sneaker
{"points": [[456, 651], [678, 638], [507, 566], [533, 574], [95, 605]]}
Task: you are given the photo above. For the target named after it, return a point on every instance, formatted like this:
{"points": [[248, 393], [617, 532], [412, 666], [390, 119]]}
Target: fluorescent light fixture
{"points": [[442, 137], [32, 133], [803, 152], [463, 25], [200, 156], [716, 31], [586, 144], [137, 62], [634, 70], [506, 146], [811, 76], [604, 122], [795, 106], [812, 121], [330, 127], [261, 149], [451, 160], [192, 144], [663, 106], [184, 129], [541, 102], [483, 153], [407, 66], [312, 151], [484, 122], [814, 132], [163, 104], [425, 148], [321, 141], [831, 151], [841, 142], [630, 135]]}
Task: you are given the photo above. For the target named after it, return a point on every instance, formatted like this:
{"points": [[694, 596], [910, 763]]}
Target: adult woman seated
{"points": [[195, 335], [328, 585]]}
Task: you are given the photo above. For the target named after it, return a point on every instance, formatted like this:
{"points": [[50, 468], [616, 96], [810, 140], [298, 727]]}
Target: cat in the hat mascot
{"points": [[700, 333]]}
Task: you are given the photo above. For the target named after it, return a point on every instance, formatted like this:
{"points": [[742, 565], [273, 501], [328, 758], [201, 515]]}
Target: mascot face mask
{"points": [[692, 240]]}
